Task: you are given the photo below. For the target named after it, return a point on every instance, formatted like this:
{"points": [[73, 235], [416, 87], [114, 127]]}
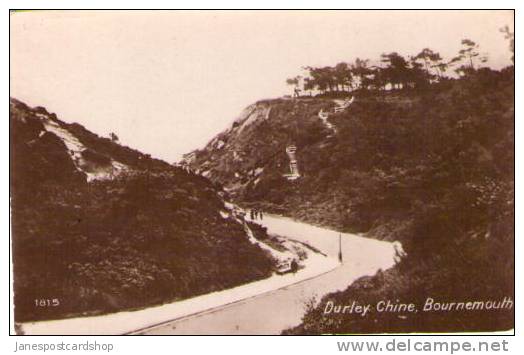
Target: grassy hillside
{"points": [[433, 168], [440, 178], [150, 235]]}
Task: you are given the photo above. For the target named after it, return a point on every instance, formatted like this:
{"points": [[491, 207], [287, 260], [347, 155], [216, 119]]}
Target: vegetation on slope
{"points": [[437, 174], [149, 236], [433, 168]]}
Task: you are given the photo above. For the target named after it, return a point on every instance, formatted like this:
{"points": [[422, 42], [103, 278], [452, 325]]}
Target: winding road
{"points": [[274, 311], [266, 306]]}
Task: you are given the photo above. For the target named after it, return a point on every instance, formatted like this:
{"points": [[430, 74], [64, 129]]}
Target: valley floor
{"points": [[263, 307]]}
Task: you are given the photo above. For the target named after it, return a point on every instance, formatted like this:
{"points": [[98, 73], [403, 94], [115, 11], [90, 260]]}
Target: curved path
{"points": [[274, 311], [263, 307]]}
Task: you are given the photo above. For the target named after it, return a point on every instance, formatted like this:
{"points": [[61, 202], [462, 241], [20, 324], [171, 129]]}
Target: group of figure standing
{"points": [[256, 214]]}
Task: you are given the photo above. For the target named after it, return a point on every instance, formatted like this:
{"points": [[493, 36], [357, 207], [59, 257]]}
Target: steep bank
{"points": [[433, 168], [271, 312], [98, 227]]}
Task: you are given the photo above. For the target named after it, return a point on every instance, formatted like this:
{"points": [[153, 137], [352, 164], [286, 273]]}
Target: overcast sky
{"points": [[167, 82]]}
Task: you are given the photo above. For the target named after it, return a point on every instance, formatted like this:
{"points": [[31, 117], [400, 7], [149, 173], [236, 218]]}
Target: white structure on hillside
{"points": [[343, 104], [293, 165], [324, 118]]}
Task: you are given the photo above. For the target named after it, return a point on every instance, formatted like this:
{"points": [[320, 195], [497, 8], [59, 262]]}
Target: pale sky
{"points": [[166, 82]]}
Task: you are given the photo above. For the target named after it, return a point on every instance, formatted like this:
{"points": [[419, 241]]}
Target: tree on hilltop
{"points": [[511, 37]]}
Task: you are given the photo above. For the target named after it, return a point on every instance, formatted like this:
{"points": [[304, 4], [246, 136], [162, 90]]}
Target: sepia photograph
{"points": [[261, 172]]}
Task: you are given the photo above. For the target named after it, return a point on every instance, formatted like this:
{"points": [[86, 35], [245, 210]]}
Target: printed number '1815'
{"points": [[47, 302]]}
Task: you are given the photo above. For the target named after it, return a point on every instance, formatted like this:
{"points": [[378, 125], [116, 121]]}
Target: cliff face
{"points": [[433, 169], [253, 149], [371, 159], [99, 227]]}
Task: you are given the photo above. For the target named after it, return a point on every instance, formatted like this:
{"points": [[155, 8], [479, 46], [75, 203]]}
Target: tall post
{"points": [[340, 247]]}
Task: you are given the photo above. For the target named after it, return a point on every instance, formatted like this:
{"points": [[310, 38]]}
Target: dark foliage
{"points": [[142, 239], [432, 168]]}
